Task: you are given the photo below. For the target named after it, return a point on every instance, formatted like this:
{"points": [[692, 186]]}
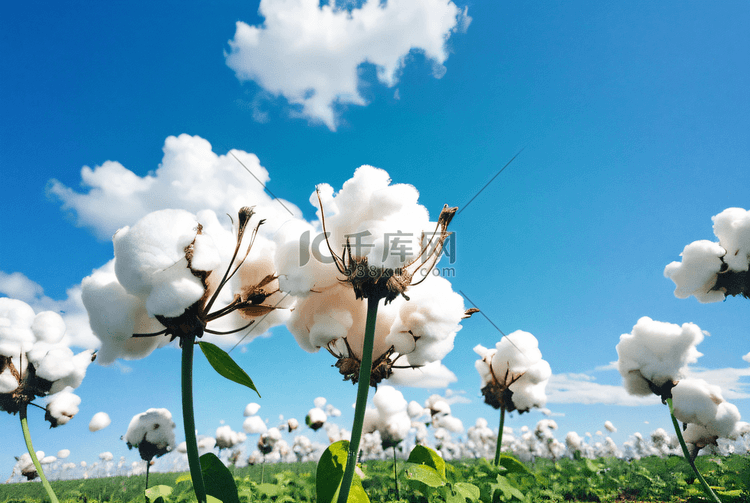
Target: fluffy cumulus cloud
{"points": [[311, 54], [190, 177], [572, 388]]}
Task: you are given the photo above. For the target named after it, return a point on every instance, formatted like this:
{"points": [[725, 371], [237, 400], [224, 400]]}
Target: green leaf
{"points": [[212, 499], [424, 474], [270, 490], [218, 479], [468, 491], [506, 488], [330, 472], [185, 477], [425, 456], [512, 465], [154, 493], [225, 366]]}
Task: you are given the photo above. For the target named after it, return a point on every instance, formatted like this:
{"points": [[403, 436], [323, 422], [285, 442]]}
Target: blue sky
{"points": [[633, 120]]}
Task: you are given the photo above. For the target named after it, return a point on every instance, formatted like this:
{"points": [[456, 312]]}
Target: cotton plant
{"points": [[710, 271], [34, 363], [178, 275], [379, 246], [514, 376], [653, 359], [226, 438], [152, 433]]}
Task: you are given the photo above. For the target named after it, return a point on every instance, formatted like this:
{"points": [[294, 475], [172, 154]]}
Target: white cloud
{"points": [[18, 286], [310, 54], [191, 177], [582, 388], [432, 375], [571, 388]]}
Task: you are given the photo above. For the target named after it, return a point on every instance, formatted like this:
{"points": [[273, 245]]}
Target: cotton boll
{"points": [[56, 364], [152, 432], [8, 382], [415, 410], [151, 261], [81, 362], [115, 315], [516, 352], [63, 453], [99, 421], [696, 401], [48, 460], [657, 352], [62, 407], [226, 438], [431, 320], [106, 456], [390, 417], [732, 227], [302, 258], [450, 423], [529, 389], [696, 274], [610, 427], [48, 327], [251, 409], [320, 402], [483, 364], [292, 424], [16, 319], [254, 425], [316, 418], [206, 256], [573, 441]]}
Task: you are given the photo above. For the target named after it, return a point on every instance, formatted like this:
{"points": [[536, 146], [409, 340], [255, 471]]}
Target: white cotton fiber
{"points": [[150, 260], [154, 426], [696, 274], [226, 438], [516, 363], [62, 407], [16, 318], [732, 227], [389, 417], [48, 327], [115, 315], [99, 421], [251, 409], [253, 425], [696, 401], [431, 319], [656, 351]]}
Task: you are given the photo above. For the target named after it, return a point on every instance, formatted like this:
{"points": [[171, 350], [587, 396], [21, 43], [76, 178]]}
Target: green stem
{"points": [[395, 473], [362, 391], [32, 453], [188, 418], [709, 492], [500, 436]]}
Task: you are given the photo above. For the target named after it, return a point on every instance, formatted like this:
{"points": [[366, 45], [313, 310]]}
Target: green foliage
{"points": [[426, 473], [225, 366], [157, 494], [330, 472], [650, 479], [218, 479]]}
